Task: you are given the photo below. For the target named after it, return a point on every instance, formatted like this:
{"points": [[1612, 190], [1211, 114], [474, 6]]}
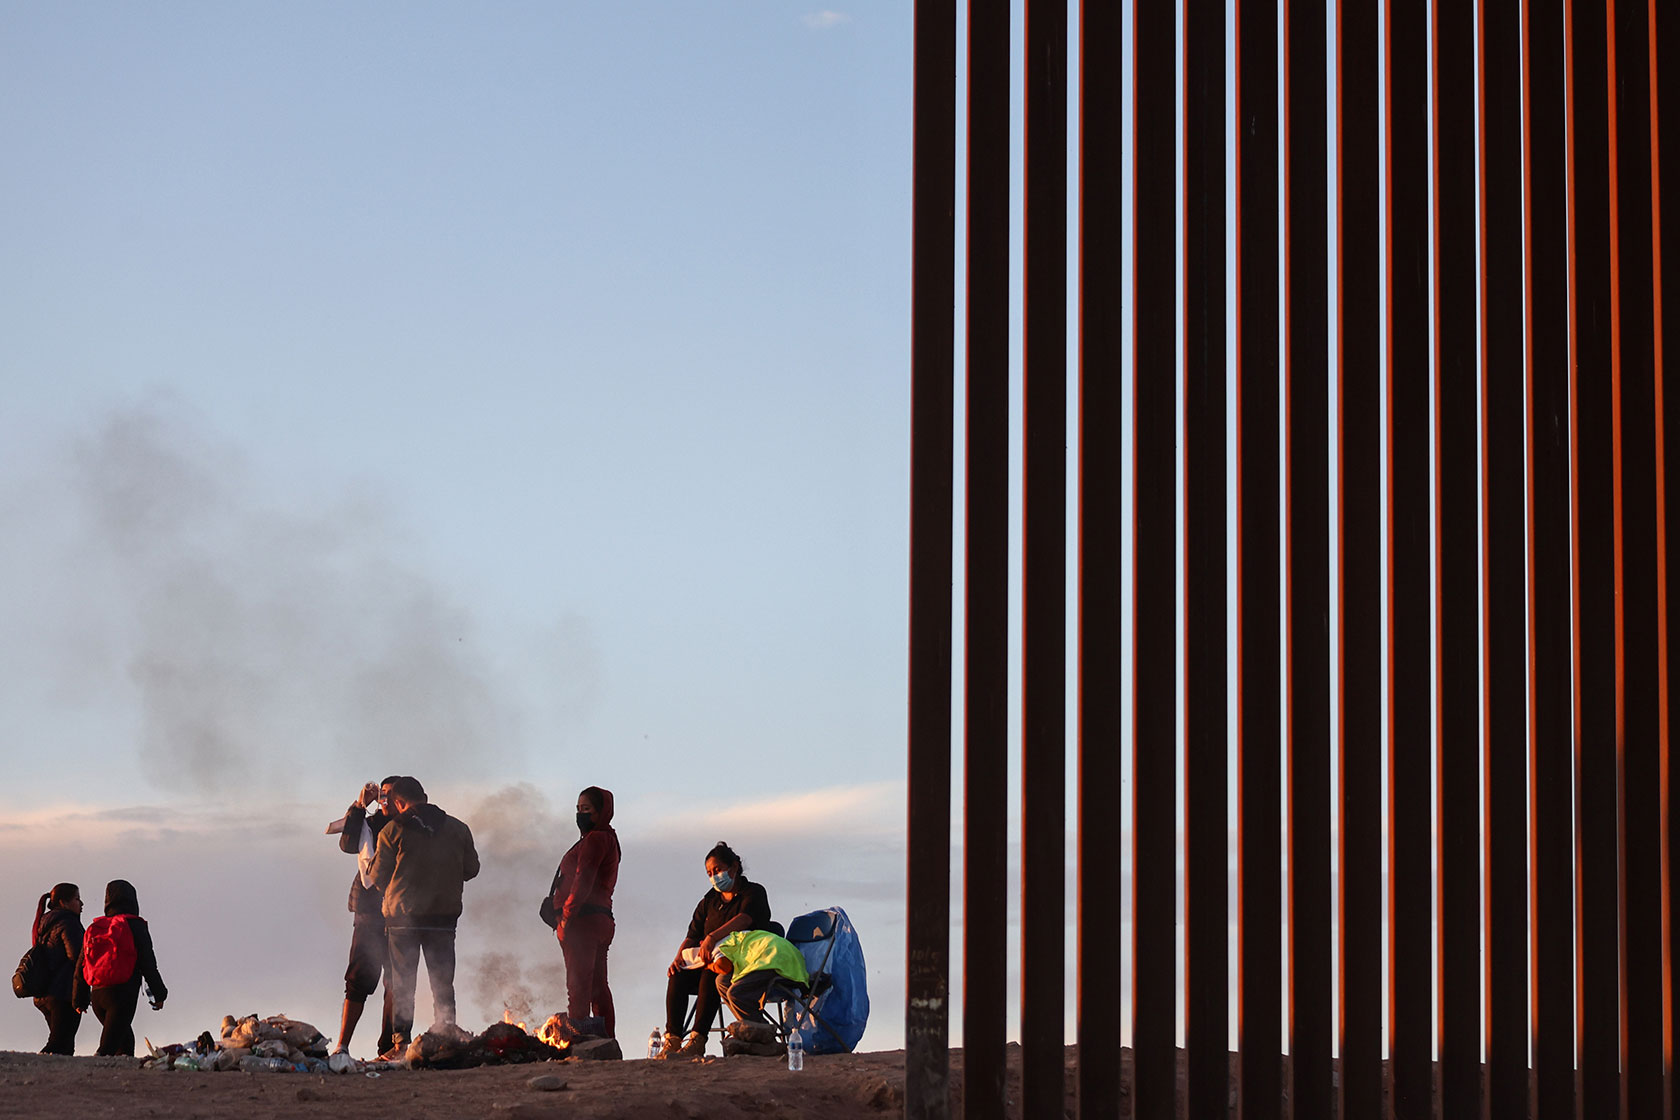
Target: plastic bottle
{"points": [[796, 1051], [655, 1043]]}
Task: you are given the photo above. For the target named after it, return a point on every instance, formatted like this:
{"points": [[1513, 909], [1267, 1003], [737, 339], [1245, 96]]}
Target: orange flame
{"points": [[507, 1017]]}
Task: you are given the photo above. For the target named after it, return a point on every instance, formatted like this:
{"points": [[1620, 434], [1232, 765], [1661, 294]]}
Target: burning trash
{"points": [[279, 1044]]}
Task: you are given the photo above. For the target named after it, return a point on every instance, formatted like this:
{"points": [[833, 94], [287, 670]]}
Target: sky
{"points": [[516, 397]]}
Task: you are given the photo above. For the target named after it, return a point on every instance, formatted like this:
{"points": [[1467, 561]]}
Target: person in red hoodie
{"points": [[582, 900]]}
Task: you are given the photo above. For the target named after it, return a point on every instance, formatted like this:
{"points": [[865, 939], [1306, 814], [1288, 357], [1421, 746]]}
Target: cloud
{"points": [[826, 20]]}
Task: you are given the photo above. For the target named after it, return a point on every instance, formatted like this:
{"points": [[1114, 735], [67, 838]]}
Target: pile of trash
{"points": [[277, 1044]]}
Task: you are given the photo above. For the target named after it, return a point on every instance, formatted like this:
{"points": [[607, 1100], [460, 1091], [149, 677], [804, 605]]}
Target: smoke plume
{"points": [[263, 640]]}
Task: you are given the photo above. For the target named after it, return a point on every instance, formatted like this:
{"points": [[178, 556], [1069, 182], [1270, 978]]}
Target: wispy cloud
{"points": [[826, 20]]}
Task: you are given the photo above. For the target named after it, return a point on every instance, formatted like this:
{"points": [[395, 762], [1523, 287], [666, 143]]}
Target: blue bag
{"points": [[830, 1020]]}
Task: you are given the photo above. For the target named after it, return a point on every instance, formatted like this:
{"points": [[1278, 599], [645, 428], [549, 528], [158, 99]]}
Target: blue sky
{"points": [[514, 396]]}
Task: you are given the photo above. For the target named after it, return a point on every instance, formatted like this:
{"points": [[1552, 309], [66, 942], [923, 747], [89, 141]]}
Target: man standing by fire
{"points": [[369, 957], [424, 858]]}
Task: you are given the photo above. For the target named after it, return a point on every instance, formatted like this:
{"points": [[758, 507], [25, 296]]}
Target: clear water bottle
{"points": [[654, 1043], [796, 1051]]}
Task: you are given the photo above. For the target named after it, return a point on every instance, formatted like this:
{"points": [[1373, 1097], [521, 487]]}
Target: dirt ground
{"points": [[841, 1085]]}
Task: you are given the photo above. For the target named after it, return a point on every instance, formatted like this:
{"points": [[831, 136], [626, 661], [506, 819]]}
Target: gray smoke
{"points": [[511, 959], [263, 641]]}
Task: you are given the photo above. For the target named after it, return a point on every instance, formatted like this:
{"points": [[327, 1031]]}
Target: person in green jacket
{"points": [[747, 962]]}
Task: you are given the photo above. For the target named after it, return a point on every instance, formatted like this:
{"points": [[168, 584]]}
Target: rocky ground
{"points": [[843, 1085]]}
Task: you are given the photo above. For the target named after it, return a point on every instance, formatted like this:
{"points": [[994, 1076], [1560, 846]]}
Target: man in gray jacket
{"points": [[424, 858]]}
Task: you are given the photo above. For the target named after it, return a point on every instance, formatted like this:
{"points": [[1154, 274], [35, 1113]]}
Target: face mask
{"points": [[723, 880], [585, 821]]}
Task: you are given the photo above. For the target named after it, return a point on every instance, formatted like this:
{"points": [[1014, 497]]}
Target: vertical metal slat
{"points": [[1551, 820], [1260, 854], [1359, 557], [986, 556], [928, 925], [1207, 970], [1044, 563], [1410, 888]]}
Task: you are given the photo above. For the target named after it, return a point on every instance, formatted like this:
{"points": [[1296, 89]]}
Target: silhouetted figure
{"points": [[117, 956], [58, 927]]}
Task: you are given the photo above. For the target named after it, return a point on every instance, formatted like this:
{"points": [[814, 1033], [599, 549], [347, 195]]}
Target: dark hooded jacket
{"points": [[589, 869], [424, 858], [120, 898], [61, 932]]}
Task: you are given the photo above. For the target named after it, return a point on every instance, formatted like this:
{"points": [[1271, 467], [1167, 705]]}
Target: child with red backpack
{"points": [[116, 956]]}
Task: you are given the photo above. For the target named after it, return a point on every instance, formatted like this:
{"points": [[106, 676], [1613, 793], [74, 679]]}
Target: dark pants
{"points": [[114, 1007], [745, 996], [62, 1022], [700, 983], [585, 949], [370, 959], [407, 944]]}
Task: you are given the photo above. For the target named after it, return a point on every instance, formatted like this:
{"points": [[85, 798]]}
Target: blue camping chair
{"points": [[831, 1011]]}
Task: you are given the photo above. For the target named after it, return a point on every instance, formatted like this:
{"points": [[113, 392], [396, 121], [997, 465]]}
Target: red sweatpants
{"points": [[585, 948]]}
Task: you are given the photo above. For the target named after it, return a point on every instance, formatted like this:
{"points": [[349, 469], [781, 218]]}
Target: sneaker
{"points": [[694, 1046], [668, 1046]]}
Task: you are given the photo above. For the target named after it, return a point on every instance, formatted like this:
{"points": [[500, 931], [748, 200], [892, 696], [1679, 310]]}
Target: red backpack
{"points": [[108, 956]]}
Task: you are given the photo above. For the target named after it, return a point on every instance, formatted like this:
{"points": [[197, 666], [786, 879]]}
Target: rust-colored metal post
{"points": [[1504, 622], [1154, 592], [1207, 1017], [1409, 880], [1259, 818], [1044, 563], [1596, 701], [1359, 557], [1101, 478], [1639, 663], [986, 577], [1457, 743], [932, 358], [1665, 46], [1550, 733], [1306, 304]]}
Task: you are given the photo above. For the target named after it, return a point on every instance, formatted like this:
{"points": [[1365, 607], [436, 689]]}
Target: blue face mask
{"points": [[723, 880]]}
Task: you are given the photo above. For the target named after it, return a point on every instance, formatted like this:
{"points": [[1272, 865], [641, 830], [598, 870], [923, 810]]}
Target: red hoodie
{"points": [[589, 869]]}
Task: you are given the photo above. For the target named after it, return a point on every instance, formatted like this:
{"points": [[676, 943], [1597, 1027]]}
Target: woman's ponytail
{"points": [[40, 909]]}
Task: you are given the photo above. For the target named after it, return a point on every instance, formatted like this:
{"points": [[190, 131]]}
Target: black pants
{"points": [[407, 944], [700, 983], [115, 1008], [746, 995], [370, 959], [62, 1022]]}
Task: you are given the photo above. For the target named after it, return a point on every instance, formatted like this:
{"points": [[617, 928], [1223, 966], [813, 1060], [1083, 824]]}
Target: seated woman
{"points": [[746, 964], [733, 904]]}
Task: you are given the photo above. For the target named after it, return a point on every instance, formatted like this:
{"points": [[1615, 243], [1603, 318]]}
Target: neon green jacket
{"points": [[751, 950]]}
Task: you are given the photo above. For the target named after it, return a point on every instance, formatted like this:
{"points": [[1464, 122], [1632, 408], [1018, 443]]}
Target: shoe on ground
{"points": [[398, 1052], [736, 1047], [668, 1046], [748, 1031], [694, 1046]]}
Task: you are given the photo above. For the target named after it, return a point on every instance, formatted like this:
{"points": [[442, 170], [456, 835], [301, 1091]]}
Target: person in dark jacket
{"points": [[370, 957], [583, 894], [424, 858], [733, 903], [58, 926], [115, 1004]]}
